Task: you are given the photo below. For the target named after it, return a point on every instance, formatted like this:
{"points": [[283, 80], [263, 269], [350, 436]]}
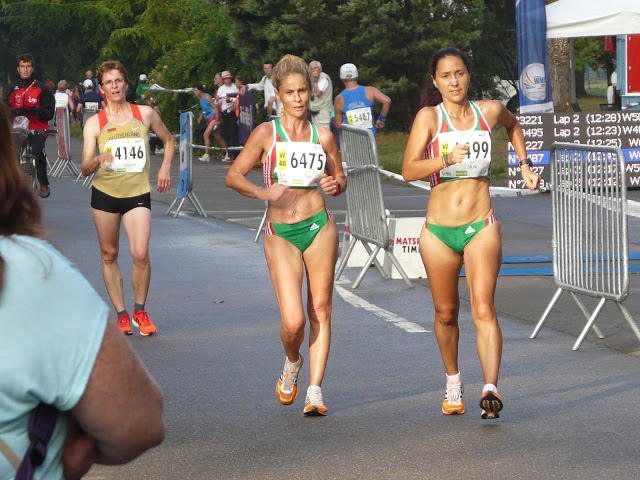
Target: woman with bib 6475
{"points": [[451, 140], [300, 234]]}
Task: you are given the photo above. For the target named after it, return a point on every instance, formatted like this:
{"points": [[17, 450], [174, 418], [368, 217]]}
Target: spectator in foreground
{"points": [[107, 409]]}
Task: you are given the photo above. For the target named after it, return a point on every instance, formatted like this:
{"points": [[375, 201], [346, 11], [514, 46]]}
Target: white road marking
{"points": [[386, 315]]}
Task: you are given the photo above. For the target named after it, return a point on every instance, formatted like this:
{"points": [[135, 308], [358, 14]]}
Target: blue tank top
{"points": [[357, 109], [207, 109]]}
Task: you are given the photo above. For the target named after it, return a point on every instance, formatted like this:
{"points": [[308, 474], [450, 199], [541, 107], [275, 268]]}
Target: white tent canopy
{"points": [[592, 18]]}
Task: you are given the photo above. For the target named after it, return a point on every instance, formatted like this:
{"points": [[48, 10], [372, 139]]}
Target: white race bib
{"points": [[300, 164], [360, 117], [129, 155], [91, 105], [478, 159]]}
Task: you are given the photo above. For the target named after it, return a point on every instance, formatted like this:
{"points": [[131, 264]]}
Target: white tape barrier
{"points": [[493, 191]]}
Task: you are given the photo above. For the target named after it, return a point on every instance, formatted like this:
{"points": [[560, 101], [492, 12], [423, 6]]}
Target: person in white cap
{"points": [[354, 105], [91, 101], [143, 86], [226, 99]]}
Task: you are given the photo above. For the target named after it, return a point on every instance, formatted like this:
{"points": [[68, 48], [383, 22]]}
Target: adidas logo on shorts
{"points": [[469, 230], [313, 227]]}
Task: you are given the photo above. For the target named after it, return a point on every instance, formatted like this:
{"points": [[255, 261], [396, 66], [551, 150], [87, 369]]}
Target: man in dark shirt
{"points": [[32, 98], [90, 102]]}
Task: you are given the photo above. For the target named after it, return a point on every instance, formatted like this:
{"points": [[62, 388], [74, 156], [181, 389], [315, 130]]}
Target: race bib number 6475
{"points": [[300, 164]]}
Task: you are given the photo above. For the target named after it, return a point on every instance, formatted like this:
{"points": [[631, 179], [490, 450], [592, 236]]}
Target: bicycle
{"points": [[21, 137]]}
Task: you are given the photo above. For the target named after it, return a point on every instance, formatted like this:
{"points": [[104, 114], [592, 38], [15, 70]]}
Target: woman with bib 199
{"points": [[300, 234], [450, 143]]}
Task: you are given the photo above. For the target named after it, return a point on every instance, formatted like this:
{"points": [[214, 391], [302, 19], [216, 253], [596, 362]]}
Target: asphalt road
{"points": [[217, 357]]}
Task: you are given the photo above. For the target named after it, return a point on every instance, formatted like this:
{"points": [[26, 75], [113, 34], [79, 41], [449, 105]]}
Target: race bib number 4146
{"points": [[129, 155], [300, 164]]}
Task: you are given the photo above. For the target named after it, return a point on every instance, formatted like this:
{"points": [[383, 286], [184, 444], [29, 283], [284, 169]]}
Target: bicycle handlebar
{"points": [[42, 132]]}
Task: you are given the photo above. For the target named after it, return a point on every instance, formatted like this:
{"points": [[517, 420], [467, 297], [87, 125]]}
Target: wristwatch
{"points": [[526, 161]]}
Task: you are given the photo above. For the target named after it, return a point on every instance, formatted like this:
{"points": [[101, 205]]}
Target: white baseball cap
{"points": [[87, 83], [143, 77], [348, 71]]}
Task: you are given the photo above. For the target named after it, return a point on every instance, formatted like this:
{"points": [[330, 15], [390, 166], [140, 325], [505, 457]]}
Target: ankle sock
{"points": [[123, 312], [454, 378], [489, 387], [137, 307]]}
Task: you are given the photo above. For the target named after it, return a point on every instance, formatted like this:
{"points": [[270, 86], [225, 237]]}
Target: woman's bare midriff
{"points": [[459, 202], [295, 205]]}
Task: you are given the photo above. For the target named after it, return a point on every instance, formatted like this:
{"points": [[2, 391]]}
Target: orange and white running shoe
{"points": [[314, 406], [141, 319], [491, 404], [287, 386], [452, 403], [124, 324]]}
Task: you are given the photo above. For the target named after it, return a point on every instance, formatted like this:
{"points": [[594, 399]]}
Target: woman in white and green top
{"points": [[299, 160], [450, 143]]}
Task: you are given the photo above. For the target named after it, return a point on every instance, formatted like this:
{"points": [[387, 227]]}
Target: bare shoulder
{"points": [[262, 134], [147, 113], [91, 127], [427, 115], [490, 108], [326, 137]]}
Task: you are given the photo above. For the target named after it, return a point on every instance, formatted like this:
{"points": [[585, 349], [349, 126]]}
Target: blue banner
{"points": [[186, 153], [533, 63]]}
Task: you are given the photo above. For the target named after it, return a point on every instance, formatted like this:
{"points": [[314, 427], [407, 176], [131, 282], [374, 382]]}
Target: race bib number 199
{"points": [[300, 164], [478, 158], [129, 155]]}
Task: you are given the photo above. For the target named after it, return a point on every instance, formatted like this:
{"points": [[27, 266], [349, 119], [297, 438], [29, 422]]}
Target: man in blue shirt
{"points": [[354, 105]]}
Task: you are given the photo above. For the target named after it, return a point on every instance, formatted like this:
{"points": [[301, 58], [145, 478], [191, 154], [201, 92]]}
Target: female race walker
{"points": [[121, 191], [300, 233], [452, 141]]}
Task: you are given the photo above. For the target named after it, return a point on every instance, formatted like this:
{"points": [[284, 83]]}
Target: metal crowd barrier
{"points": [[590, 236], [63, 162], [366, 215], [185, 185]]}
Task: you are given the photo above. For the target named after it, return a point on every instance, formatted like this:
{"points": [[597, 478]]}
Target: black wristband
{"points": [[526, 161]]}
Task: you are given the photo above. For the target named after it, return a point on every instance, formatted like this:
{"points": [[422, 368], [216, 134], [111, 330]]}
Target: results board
{"points": [[612, 129]]}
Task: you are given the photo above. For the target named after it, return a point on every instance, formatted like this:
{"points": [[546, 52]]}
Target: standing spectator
{"points": [[90, 76], [210, 115], [265, 86], [32, 98], [75, 98], [321, 102], [50, 83], [91, 101], [227, 97], [63, 99], [354, 105], [141, 91], [107, 409]]}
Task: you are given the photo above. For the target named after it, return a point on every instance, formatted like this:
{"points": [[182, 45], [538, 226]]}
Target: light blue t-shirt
{"points": [[51, 326]]}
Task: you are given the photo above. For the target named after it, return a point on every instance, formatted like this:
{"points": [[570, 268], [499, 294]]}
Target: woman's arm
{"points": [[119, 415], [334, 182]]}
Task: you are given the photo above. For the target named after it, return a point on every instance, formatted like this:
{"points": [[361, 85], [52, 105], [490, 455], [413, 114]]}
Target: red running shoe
{"points": [[141, 319]]}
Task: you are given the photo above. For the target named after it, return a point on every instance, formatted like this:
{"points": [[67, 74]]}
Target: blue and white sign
{"points": [[533, 62]]}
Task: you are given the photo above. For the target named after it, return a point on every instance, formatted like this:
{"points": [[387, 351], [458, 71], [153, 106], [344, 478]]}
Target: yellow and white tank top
{"points": [[128, 174]]}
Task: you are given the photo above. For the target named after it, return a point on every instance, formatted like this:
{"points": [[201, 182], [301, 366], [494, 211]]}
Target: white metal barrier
{"points": [[366, 215], [590, 236]]}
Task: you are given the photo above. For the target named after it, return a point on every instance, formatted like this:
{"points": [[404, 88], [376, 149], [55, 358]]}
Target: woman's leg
{"points": [[483, 257], [320, 260], [108, 230], [443, 265]]}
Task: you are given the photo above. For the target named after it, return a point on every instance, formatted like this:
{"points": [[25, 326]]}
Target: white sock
{"points": [[296, 364], [314, 389], [453, 378], [489, 387]]}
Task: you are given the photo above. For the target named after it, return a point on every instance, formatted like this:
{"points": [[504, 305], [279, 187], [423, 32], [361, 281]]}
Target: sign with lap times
{"points": [[611, 129]]}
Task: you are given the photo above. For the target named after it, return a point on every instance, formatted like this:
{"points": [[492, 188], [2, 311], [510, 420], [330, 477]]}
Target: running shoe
{"points": [[287, 386], [205, 158], [314, 406], [45, 191], [452, 403], [141, 319], [491, 404], [124, 324]]}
